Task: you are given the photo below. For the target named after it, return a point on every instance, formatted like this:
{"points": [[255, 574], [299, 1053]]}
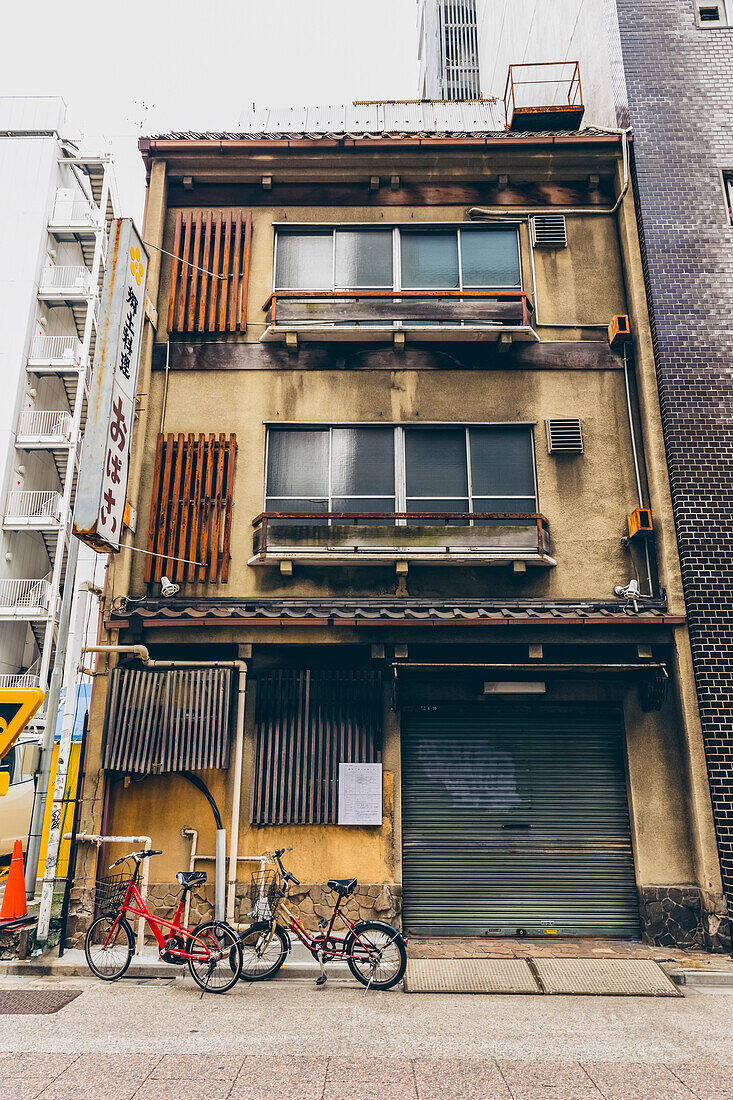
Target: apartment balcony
{"points": [[15, 680], [543, 95], [33, 510], [72, 218], [25, 599], [56, 355], [388, 315], [43, 431], [65, 284], [378, 538]]}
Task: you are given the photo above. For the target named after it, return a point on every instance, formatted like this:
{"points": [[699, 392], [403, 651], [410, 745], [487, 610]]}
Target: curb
{"points": [[711, 979]]}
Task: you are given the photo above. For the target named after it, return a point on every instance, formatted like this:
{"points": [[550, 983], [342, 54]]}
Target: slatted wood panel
{"points": [[191, 508], [307, 723], [210, 271], [167, 721]]}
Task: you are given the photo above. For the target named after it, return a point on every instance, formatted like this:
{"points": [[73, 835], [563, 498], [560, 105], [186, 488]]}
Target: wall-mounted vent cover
{"points": [[710, 15], [564, 437], [549, 231]]}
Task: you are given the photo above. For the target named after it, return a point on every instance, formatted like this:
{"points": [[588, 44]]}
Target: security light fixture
{"points": [[167, 587]]}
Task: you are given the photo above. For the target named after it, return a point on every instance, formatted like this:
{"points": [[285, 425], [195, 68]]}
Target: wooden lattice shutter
{"points": [[210, 271], [189, 535]]}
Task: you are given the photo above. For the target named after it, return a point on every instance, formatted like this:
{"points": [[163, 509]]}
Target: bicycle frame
{"points": [[136, 907], [330, 946]]}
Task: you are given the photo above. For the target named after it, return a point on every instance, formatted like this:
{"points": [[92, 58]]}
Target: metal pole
{"points": [[44, 777], [71, 870]]}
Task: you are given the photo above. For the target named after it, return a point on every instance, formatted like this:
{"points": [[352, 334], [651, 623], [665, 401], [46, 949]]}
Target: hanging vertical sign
{"points": [[101, 494]]}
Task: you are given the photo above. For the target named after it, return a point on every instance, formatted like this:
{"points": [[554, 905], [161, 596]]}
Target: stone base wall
{"points": [[377, 901], [685, 916]]}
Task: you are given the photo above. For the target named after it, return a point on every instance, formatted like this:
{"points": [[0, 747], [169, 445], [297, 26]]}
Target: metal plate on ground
{"points": [[469, 976], [605, 977], [35, 1002]]}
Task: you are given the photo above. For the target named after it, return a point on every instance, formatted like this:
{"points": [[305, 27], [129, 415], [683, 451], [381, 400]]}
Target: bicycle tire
{"points": [[397, 944], [217, 932], [95, 930], [279, 936]]}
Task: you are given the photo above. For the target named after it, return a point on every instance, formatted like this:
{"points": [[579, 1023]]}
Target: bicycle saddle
{"points": [[191, 878], [343, 886]]}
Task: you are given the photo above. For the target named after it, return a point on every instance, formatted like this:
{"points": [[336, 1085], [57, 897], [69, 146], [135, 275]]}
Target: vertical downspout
{"points": [[637, 471]]}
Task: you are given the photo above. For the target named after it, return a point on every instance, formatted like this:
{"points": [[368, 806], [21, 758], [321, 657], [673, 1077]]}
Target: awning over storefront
{"points": [[167, 721]]}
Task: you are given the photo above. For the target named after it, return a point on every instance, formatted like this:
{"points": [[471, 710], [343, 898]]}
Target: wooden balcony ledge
{"points": [[379, 538], [383, 315]]}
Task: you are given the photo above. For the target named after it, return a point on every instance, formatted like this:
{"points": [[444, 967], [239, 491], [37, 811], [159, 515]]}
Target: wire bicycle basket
{"points": [[110, 892], [265, 892]]}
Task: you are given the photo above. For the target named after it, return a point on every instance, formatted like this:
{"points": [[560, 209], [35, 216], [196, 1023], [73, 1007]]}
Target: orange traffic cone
{"points": [[14, 904]]}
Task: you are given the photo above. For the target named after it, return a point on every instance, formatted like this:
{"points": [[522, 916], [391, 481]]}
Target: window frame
{"points": [[397, 229], [726, 182], [713, 25], [400, 471]]}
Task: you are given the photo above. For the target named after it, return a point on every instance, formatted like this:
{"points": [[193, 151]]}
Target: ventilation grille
{"points": [[711, 15], [564, 437], [549, 231]]}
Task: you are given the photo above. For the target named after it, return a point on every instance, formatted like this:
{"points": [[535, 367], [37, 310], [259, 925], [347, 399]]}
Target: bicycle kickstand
{"points": [[321, 979]]}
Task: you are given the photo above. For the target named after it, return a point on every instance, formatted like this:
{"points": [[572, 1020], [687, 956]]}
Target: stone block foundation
{"points": [[685, 916]]}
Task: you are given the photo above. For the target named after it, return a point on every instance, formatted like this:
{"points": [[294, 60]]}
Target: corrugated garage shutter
{"points": [[167, 721], [516, 818]]}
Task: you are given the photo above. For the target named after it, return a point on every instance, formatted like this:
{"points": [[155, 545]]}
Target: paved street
{"points": [[148, 1038]]}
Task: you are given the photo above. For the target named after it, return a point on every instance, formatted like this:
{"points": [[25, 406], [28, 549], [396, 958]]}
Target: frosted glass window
{"points": [[490, 258], [362, 462], [297, 464], [304, 261], [429, 260], [363, 258], [435, 463], [502, 463]]}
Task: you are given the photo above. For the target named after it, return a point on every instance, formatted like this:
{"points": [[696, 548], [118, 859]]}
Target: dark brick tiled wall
{"points": [[679, 81]]}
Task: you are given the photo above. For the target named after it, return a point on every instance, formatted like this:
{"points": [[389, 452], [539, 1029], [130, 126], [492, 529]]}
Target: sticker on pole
{"points": [[17, 707]]}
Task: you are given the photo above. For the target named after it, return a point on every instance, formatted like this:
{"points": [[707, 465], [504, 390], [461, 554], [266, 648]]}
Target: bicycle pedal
{"points": [[321, 980], [322, 922]]}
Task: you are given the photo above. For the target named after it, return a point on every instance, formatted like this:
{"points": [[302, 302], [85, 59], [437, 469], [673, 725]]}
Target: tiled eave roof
{"points": [[385, 613]]}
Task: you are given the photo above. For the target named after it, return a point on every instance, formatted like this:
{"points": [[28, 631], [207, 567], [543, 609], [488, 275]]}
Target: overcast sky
{"points": [[148, 66]]}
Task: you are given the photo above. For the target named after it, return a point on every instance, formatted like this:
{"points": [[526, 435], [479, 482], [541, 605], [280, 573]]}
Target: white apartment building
{"points": [[57, 203], [448, 49]]}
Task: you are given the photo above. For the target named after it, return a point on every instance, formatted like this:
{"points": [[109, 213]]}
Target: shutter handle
{"points": [[516, 825]]}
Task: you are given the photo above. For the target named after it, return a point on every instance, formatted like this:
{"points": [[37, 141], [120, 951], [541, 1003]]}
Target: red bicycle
{"points": [[212, 950], [376, 952]]}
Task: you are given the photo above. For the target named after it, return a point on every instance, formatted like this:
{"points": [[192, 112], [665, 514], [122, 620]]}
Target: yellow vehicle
{"points": [[16, 806]]}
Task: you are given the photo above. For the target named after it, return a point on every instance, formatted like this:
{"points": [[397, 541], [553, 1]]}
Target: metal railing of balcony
{"points": [[34, 504], [50, 424], [452, 307], [537, 86], [67, 277], [70, 212], [57, 349], [25, 594], [20, 680]]}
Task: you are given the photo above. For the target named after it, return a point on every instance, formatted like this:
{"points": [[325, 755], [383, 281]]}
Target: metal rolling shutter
{"points": [[516, 818]]}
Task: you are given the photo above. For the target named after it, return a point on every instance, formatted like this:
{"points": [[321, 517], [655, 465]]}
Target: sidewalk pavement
{"points": [[194, 1077]]}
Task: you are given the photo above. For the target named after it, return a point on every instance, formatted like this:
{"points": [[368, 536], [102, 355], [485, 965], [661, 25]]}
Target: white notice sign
{"points": [[360, 794]]}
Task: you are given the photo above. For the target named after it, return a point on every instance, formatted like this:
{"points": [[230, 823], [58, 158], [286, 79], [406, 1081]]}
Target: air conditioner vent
{"points": [[710, 15], [549, 231], [564, 437]]}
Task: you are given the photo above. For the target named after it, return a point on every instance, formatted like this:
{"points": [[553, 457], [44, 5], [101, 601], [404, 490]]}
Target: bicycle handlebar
{"points": [[286, 874], [137, 856]]}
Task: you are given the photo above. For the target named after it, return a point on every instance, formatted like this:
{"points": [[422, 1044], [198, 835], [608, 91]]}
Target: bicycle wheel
{"points": [[262, 955], [109, 947], [377, 955], [218, 965]]}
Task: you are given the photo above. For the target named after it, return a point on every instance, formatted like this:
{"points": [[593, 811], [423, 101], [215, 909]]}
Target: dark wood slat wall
{"points": [[191, 509], [307, 723], [209, 282]]}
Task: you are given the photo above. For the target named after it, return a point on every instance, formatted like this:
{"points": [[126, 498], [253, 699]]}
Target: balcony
{"points": [[48, 430], [387, 315], [25, 599], [15, 680], [55, 354], [431, 538], [75, 217], [33, 510], [65, 283], [543, 95]]}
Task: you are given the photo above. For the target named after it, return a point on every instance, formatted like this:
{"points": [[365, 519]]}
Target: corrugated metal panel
{"points": [[516, 818], [167, 721], [307, 723], [387, 117]]}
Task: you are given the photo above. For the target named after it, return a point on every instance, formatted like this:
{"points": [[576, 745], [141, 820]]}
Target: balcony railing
{"points": [[75, 214], [33, 508], [543, 95], [56, 351], [25, 599], [45, 428], [355, 538], [69, 280], [19, 680], [376, 314]]}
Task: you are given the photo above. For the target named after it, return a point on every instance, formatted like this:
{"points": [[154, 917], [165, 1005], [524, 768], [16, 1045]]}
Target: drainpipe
{"points": [[141, 652], [634, 451], [193, 834]]}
